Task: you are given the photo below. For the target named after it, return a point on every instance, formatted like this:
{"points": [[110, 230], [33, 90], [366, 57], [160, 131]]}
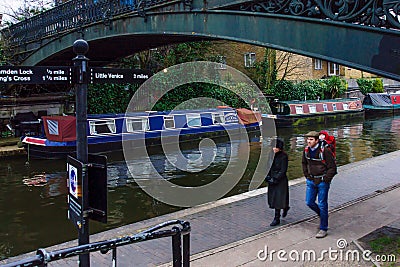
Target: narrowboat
{"points": [[377, 104], [106, 132], [302, 113]]}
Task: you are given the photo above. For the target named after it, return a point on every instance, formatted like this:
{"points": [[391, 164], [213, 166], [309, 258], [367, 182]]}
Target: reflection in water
{"points": [[31, 217]]}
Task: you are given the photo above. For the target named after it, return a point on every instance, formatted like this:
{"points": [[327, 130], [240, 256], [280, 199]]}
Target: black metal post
{"points": [[186, 250], [114, 257], [177, 248], [80, 48]]}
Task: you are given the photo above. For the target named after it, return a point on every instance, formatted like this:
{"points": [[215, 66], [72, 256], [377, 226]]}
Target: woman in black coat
{"points": [[278, 187]]}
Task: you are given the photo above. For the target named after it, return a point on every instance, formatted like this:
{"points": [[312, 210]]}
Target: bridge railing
{"points": [[180, 233], [71, 15]]}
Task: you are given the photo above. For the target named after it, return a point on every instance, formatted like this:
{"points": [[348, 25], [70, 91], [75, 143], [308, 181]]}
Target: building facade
{"points": [[294, 67]]}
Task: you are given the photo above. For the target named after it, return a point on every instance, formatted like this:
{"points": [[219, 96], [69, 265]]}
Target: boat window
{"points": [[102, 126], [231, 117], [313, 108], [325, 107], [345, 106], [218, 118], [334, 107], [169, 122], [193, 120], [280, 108], [137, 124], [299, 109], [52, 126]]}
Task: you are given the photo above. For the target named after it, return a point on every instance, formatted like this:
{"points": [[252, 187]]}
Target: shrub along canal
{"points": [[36, 216]]}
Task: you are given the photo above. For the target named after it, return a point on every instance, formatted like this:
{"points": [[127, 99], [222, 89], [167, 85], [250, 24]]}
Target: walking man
{"points": [[319, 167]]}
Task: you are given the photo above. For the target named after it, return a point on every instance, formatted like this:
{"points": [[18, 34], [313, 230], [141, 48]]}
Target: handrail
{"points": [[180, 230], [75, 14], [71, 15]]}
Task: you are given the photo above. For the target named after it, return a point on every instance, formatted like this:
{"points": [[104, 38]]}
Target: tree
{"points": [[266, 71], [278, 66], [290, 66], [28, 9], [335, 87], [3, 56]]}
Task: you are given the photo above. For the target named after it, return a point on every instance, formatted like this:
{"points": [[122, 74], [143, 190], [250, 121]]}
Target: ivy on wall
{"points": [[109, 98]]}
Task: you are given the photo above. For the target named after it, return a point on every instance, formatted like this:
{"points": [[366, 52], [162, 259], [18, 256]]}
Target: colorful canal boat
{"points": [[377, 104], [301, 113], [107, 132]]}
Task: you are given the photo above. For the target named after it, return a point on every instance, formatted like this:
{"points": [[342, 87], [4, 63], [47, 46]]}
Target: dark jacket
{"points": [[322, 165], [278, 194]]}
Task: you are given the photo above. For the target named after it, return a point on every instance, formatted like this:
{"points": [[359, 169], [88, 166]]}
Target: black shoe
{"points": [[284, 213], [275, 222]]}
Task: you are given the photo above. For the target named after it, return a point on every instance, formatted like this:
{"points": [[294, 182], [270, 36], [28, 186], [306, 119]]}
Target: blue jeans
{"points": [[321, 190]]}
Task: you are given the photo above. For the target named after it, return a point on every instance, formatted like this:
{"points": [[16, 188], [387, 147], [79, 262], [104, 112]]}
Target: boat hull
{"points": [[99, 147], [374, 111], [316, 118]]}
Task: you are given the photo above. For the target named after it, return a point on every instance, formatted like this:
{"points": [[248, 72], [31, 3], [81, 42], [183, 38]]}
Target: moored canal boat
{"points": [[378, 104], [106, 132], [301, 113]]}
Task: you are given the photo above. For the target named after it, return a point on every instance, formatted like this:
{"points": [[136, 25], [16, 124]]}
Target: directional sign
{"points": [[35, 75], [74, 171], [108, 75], [73, 180], [97, 174]]}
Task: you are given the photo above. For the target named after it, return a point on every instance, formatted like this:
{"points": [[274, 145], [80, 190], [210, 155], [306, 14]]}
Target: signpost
{"points": [[97, 170], [75, 211], [97, 190], [63, 75], [35, 75], [80, 48], [87, 174], [105, 75]]}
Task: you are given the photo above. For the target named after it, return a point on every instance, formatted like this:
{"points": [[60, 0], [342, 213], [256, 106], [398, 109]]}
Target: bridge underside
{"points": [[366, 48], [108, 49]]}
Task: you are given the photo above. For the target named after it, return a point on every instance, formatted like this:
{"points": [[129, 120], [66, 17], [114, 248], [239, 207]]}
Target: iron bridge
{"points": [[363, 34]]}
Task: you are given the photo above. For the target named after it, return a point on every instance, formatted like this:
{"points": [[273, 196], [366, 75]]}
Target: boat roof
{"points": [[319, 101], [147, 113]]}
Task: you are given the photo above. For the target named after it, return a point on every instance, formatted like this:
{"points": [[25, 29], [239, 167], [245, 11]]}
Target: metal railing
{"points": [[180, 233], [72, 15]]}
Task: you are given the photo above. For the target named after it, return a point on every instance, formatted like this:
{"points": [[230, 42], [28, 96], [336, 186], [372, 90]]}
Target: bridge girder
{"points": [[369, 49]]}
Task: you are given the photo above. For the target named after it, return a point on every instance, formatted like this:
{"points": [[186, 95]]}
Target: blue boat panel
{"points": [[119, 123], [206, 119], [156, 123], [180, 121]]}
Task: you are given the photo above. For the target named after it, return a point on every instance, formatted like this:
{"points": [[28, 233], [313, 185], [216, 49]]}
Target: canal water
{"points": [[36, 216]]}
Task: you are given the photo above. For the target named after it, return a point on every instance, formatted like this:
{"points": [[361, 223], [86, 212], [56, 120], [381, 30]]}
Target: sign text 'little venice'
{"points": [[108, 75]]}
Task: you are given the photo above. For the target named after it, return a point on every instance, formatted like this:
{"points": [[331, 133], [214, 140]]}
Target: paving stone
{"points": [[225, 222]]}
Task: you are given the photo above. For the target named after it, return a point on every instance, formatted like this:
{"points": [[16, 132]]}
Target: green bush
{"points": [[203, 95], [310, 89], [286, 90], [365, 85], [377, 86], [313, 88], [109, 98], [335, 87]]}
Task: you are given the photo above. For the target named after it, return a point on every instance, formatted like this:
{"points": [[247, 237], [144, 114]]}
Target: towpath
{"points": [[364, 196]]}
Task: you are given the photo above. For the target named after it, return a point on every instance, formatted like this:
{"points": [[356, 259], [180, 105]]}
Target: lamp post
{"points": [[80, 48]]}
